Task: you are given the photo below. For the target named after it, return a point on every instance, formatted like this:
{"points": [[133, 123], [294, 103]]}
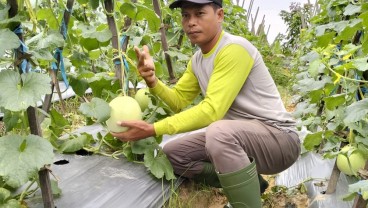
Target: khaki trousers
{"points": [[227, 144]]}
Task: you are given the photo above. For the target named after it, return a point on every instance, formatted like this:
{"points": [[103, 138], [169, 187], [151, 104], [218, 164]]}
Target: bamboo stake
{"points": [[165, 46], [54, 82], [268, 30], [250, 10], [119, 73], [254, 22], [261, 26], [359, 202]]}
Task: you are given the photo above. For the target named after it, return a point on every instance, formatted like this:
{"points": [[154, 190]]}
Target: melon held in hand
{"points": [[123, 108]]}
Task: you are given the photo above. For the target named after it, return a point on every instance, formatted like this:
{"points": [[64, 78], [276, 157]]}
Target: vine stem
{"points": [[31, 14], [118, 50], [345, 77], [25, 190]]}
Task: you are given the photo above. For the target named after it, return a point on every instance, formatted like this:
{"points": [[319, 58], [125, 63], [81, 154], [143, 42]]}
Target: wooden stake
{"points": [[165, 47]]}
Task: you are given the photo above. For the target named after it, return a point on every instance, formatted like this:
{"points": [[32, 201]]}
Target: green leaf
{"points": [[365, 46], [75, 144], [315, 96], [140, 146], [89, 43], [349, 197], [11, 119], [17, 167], [159, 165], [12, 203], [82, 1], [97, 108], [359, 186], [16, 95], [47, 15], [364, 17], [128, 9], [94, 4], [356, 111], [334, 101], [180, 56], [347, 33], [8, 40], [56, 191], [103, 35], [79, 85], [320, 30], [339, 26], [4, 195], [325, 39], [52, 40], [100, 34], [100, 83], [42, 54], [352, 9], [58, 122], [154, 22], [23, 146], [311, 56], [312, 140], [316, 67], [361, 63]]}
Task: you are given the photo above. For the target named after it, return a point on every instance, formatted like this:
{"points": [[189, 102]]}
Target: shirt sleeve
{"points": [[231, 68], [182, 94]]}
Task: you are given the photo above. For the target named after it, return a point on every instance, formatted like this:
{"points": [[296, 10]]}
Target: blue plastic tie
{"points": [[22, 48], [64, 29], [59, 54], [126, 65]]}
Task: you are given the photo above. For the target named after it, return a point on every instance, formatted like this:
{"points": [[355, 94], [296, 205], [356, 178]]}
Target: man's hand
{"points": [[137, 130], [145, 66]]}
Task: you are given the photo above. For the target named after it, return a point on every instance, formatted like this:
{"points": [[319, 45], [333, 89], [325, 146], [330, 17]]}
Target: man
{"points": [[248, 130]]}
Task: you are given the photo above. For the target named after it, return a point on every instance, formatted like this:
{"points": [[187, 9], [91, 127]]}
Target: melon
{"points": [[142, 98], [356, 159], [123, 108]]}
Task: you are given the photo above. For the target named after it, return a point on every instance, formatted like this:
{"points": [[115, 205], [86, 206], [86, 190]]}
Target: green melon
{"points": [[142, 98], [356, 160], [123, 108]]}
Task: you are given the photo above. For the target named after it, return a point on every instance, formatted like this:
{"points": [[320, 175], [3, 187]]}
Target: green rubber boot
{"points": [[262, 183], [242, 187], [208, 176]]}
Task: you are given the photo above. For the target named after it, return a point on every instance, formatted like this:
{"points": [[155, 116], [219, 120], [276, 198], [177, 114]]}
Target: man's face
{"points": [[201, 23]]}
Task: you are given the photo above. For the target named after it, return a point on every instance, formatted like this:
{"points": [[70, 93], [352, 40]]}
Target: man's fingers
{"points": [[126, 123], [140, 56], [137, 52], [147, 55], [146, 49]]}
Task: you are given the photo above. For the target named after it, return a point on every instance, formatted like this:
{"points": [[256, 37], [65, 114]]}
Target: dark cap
{"points": [[178, 3]]}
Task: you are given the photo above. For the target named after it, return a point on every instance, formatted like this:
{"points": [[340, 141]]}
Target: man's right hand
{"points": [[145, 66]]}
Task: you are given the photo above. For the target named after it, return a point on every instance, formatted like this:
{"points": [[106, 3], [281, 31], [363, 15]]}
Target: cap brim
{"points": [[178, 3]]}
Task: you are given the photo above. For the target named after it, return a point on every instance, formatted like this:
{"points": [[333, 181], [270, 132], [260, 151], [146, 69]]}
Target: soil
{"points": [[192, 195]]}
